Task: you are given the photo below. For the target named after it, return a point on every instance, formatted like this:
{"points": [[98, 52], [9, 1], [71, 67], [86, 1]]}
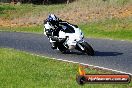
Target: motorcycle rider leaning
{"points": [[65, 36], [52, 27]]}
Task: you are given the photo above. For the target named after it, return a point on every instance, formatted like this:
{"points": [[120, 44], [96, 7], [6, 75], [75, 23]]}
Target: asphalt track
{"points": [[112, 54]]}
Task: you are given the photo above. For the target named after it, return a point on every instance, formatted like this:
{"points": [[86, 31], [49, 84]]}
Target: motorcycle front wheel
{"points": [[88, 49]]}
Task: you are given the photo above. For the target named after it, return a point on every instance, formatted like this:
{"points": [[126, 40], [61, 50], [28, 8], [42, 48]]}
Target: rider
{"points": [[52, 27]]}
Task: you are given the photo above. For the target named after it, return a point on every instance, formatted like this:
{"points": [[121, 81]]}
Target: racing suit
{"points": [[52, 31]]}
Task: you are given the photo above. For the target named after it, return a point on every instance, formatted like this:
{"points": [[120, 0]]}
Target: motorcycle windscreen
{"points": [[68, 29]]}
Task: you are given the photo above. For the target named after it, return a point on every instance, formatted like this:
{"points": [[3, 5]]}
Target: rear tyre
{"points": [[88, 49]]}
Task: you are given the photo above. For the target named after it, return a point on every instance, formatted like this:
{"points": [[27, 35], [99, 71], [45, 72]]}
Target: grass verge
{"points": [[112, 28], [10, 11], [32, 29], [21, 70]]}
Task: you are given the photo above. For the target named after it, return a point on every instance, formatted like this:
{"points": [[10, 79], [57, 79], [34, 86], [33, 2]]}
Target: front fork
{"points": [[79, 46]]}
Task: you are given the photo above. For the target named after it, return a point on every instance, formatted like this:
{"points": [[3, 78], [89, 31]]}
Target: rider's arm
{"points": [[47, 29]]}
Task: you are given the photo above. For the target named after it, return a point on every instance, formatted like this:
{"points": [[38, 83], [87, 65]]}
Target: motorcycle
{"points": [[71, 37]]}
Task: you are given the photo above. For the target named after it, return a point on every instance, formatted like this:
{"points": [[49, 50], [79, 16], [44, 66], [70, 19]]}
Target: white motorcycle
{"points": [[71, 37]]}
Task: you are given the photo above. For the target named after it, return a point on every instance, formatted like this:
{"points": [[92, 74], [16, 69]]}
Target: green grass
{"points": [[119, 2], [113, 28], [32, 29], [21, 70], [9, 11]]}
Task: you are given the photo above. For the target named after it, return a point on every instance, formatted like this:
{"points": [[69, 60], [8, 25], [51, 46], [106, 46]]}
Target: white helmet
{"points": [[52, 17]]}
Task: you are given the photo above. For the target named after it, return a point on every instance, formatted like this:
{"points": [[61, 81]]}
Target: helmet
{"points": [[52, 18]]}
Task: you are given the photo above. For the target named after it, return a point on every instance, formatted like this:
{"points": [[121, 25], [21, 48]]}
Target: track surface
{"points": [[110, 54]]}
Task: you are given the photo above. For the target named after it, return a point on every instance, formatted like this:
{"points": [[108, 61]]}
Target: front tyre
{"points": [[88, 49]]}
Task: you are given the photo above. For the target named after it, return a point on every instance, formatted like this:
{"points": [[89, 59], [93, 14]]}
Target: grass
{"points": [[32, 29], [113, 28], [9, 11], [21, 70]]}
